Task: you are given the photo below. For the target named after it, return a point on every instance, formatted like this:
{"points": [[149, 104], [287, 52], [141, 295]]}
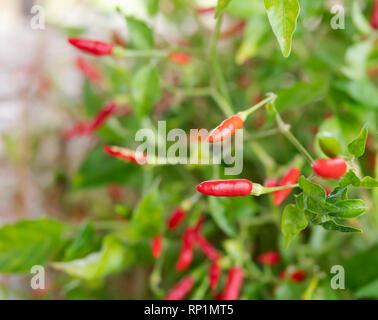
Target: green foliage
{"points": [[293, 222], [28, 243], [357, 146], [141, 36], [221, 5]]}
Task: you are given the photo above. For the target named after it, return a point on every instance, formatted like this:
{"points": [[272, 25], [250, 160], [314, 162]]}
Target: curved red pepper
{"points": [[298, 276], [374, 16], [226, 188], [333, 168], [233, 284], [206, 247], [97, 48], [214, 274], [102, 116], [89, 71], [126, 154], [180, 290], [177, 216], [226, 129], [187, 247], [269, 258], [291, 177], [180, 58], [157, 246]]}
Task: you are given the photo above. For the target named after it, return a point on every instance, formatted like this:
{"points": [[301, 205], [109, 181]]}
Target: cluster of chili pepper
{"points": [[89, 71], [291, 177], [94, 47], [90, 127]]}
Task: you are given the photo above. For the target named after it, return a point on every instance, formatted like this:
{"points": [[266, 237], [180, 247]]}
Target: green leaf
{"points": [[301, 94], [337, 195], [152, 6], [349, 209], [333, 226], [359, 20], [82, 244], [363, 91], [145, 89], [112, 258], [147, 220], [369, 182], [311, 189], [350, 178], [92, 100], [218, 213], [283, 15], [357, 146], [293, 222], [356, 60], [99, 169], [369, 291], [141, 36], [28, 243], [222, 4], [329, 146]]}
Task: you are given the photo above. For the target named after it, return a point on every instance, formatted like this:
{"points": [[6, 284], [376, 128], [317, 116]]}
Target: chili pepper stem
{"points": [[258, 189], [244, 114], [285, 130]]}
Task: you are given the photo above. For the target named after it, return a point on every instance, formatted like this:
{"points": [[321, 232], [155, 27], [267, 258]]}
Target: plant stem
{"points": [[222, 103], [214, 59], [285, 130], [190, 92], [263, 134], [130, 53], [244, 114], [274, 189], [264, 157]]}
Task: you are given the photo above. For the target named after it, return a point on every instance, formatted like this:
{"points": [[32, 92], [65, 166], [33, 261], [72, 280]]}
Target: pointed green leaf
{"points": [[218, 213], [349, 209], [311, 189], [293, 222], [283, 15], [350, 178], [369, 182], [357, 146], [141, 36], [333, 226]]}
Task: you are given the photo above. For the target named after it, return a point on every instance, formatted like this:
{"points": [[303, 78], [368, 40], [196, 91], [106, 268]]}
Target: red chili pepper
{"points": [[180, 58], [177, 216], [298, 276], [187, 247], [271, 183], [282, 274], [103, 115], [206, 247], [374, 16], [78, 129], [226, 188], [157, 246], [126, 154], [97, 48], [233, 284], [233, 30], [226, 129], [291, 177], [214, 274], [180, 290], [205, 10], [89, 71], [330, 168], [270, 258]]}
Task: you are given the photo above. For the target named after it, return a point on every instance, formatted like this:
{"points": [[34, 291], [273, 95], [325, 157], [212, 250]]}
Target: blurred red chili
{"points": [[214, 274], [233, 284], [180, 290], [270, 258], [89, 71], [291, 177], [330, 168], [233, 30], [186, 252], [177, 216], [226, 188], [298, 276], [97, 48], [78, 129], [226, 129], [126, 154], [374, 16], [271, 183], [102, 116], [157, 246], [180, 58], [206, 247], [205, 10]]}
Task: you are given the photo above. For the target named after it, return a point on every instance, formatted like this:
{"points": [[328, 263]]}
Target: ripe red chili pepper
{"points": [[206, 247], [233, 30], [226, 188], [78, 129], [226, 129], [126, 154], [187, 247], [177, 216], [298, 276], [233, 284], [157, 246], [214, 274], [180, 290], [180, 58], [102, 116], [291, 177], [97, 48], [205, 10], [89, 71], [374, 16], [270, 258], [330, 168], [271, 183]]}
